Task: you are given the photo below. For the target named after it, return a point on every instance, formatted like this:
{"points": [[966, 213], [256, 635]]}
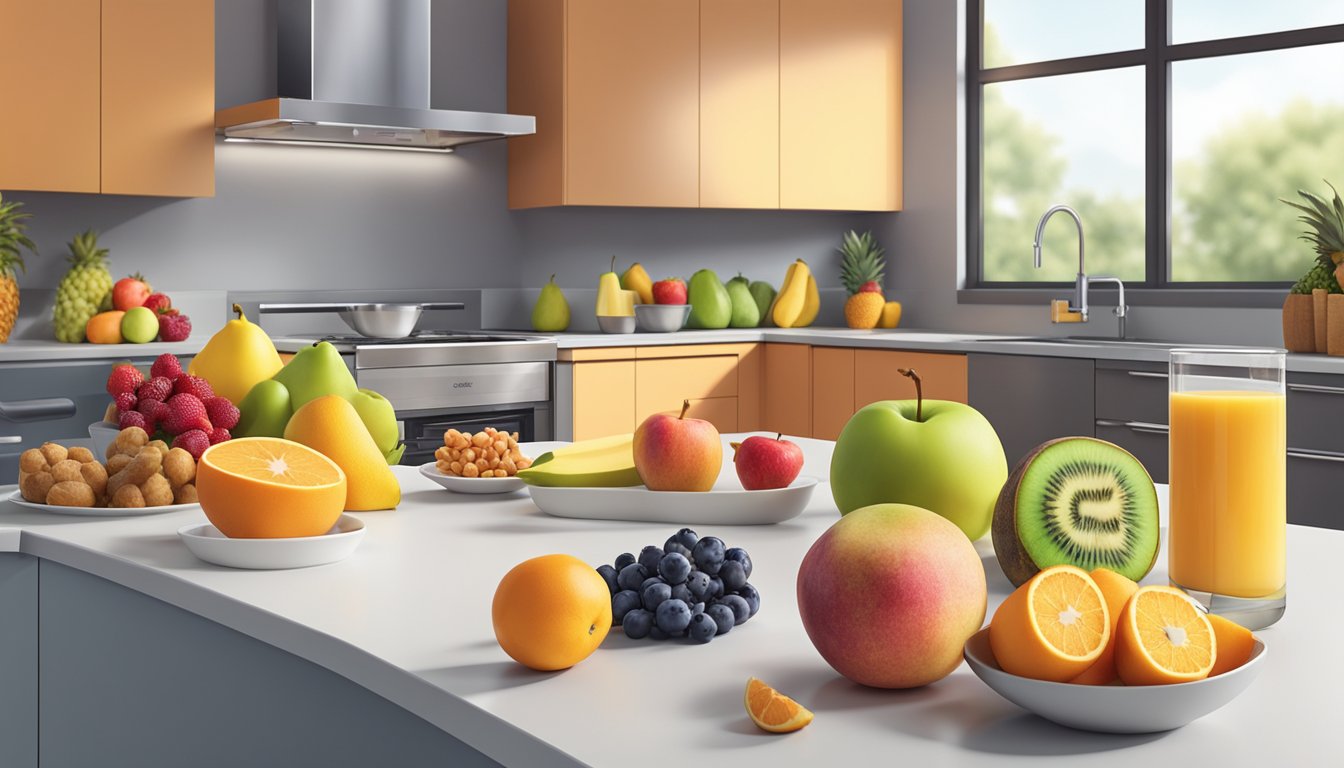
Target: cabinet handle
{"points": [[44, 409], [5, 439], [1144, 427], [1150, 375], [1314, 456], [1318, 388]]}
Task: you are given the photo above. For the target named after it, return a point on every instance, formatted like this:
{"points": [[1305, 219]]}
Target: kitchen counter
{"points": [[36, 351], [413, 625]]}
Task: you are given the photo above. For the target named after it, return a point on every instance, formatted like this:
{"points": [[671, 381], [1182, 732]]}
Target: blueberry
{"points": [[682, 542], [631, 576], [657, 634], [708, 554], [608, 575], [622, 603], [698, 584], [741, 611], [723, 616], [674, 568], [697, 609], [649, 557], [734, 575], [624, 559], [672, 617], [752, 597], [683, 593], [655, 595], [648, 581], [637, 624], [715, 586], [702, 628], [740, 555]]}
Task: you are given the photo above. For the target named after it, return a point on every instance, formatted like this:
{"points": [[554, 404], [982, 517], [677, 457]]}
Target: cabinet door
{"points": [[661, 385], [632, 103], [158, 105], [1314, 479], [739, 103], [832, 390], [840, 104], [1029, 400], [49, 89], [876, 376], [788, 390], [604, 398]]}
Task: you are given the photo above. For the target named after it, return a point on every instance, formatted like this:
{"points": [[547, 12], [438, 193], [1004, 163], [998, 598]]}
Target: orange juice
{"points": [[1228, 525]]}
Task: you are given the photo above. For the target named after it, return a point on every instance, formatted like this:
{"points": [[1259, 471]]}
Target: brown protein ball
{"points": [[185, 494], [54, 453], [129, 439], [127, 497], [117, 462], [162, 446], [32, 460], [81, 454], [95, 476], [34, 486], [71, 493], [144, 464], [179, 467], [67, 471], [156, 491]]}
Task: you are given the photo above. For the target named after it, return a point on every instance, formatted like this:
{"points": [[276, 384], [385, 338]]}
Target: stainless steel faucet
{"points": [[1078, 305]]}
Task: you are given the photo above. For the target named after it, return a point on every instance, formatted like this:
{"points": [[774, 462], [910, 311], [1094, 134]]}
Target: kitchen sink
{"points": [[1109, 341]]}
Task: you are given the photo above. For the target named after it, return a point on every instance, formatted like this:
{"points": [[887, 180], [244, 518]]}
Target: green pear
{"points": [[745, 312], [710, 305], [378, 417], [551, 312], [316, 371], [393, 456], [265, 411], [764, 294]]}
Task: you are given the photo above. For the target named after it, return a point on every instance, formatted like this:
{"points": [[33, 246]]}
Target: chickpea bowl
{"points": [[485, 462]]}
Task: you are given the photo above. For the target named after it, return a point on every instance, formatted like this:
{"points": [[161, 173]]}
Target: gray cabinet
{"points": [[18, 660], [1316, 450], [1132, 410], [1030, 400]]}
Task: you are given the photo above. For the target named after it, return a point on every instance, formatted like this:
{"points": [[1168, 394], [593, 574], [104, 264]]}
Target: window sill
{"points": [[1247, 298]]}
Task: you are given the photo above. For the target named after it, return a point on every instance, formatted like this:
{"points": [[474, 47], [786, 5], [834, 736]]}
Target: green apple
{"points": [[265, 411], [939, 455], [316, 371], [378, 417], [139, 325]]}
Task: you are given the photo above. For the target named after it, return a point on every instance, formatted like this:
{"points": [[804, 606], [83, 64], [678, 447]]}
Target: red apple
{"points": [[764, 463], [669, 291], [890, 594], [130, 292], [674, 453], [872, 286]]}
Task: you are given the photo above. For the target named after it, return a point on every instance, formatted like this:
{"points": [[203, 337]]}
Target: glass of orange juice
{"points": [[1226, 537]]}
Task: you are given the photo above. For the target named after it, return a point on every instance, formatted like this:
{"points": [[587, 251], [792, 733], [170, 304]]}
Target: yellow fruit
{"points": [[9, 304], [104, 328], [792, 295], [1117, 590], [266, 488], [863, 310], [811, 304], [331, 425], [1163, 638], [1234, 642], [891, 315], [551, 612], [772, 711], [1053, 627], [236, 358], [637, 280]]}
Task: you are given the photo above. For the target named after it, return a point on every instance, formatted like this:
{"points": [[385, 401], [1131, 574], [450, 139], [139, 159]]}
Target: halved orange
{"points": [[1164, 637], [1117, 589], [1053, 627], [266, 487], [1234, 643], [772, 711]]}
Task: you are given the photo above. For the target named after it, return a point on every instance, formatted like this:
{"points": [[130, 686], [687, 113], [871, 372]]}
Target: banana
{"points": [[811, 304], [792, 295]]}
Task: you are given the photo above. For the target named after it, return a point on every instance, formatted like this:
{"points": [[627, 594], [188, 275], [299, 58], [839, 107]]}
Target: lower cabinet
{"points": [[833, 383], [1131, 405], [1030, 400], [604, 398], [1315, 450], [786, 399]]}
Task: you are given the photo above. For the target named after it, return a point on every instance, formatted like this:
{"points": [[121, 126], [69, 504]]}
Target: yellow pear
{"points": [[236, 358], [331, 426]]}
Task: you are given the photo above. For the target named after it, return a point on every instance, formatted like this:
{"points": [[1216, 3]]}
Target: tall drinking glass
{"points": [[1226, 542]]}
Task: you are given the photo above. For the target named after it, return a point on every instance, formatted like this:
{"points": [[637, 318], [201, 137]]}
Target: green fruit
{"points": [[710, 305], [83, 289], [764, 294], [745, 312], [265, 411], [139, 325], [551, 312], [1077, 501], [379, 418], [316, 371], [605, 462]]}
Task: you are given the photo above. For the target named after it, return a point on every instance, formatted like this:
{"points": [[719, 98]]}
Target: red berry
{"points": [[219, 435], [154, 411], [166, 365], [174, 327], [193, 441], [133, 419], [872, 286], [124, 378], [222, 413], [185, 413], [126, 401], [157, 388], [159, 302], [193, 385]]}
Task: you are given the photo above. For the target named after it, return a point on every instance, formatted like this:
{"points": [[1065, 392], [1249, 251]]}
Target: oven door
{"points": [[424, 434]]}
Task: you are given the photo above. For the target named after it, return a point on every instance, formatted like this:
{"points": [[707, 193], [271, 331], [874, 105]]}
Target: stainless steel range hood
{"points": [[357, 73]]}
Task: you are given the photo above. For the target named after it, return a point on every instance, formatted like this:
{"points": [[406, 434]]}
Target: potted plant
{"points": [[13, 242], [1304, 323]]}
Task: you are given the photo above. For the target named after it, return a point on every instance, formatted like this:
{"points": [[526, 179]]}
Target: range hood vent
{"points": [[357, 73]]}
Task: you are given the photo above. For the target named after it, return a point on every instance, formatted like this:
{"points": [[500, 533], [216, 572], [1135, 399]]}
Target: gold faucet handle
{"points": [[1059, 312]]}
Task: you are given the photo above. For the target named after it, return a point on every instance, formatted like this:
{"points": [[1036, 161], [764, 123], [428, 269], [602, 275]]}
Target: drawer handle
{"points": [[6, 439], [1144, 427], [1318, 388], [1152, 375], [1313, 456], [44, 409]]}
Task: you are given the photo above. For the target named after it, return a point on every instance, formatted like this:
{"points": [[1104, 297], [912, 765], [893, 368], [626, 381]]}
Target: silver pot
{"points": [[376, 321]]}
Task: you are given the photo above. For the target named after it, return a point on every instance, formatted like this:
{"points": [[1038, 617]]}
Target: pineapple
{"points": [[861, 267], [84, 288], [12, 239], [1326, 229]]}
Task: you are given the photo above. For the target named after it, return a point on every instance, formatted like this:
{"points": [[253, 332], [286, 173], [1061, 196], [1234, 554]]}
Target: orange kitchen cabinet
{"points": [[158, 97], [832, 390], [739, 103], [604, 398], [49, 88], [662, 384], [787, 385], [840, 104], [876, 377]]}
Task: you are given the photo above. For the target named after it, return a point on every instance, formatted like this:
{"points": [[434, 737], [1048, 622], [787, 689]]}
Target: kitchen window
{"points": [[1172, 126]]}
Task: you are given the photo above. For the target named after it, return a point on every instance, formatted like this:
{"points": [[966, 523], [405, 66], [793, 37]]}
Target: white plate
{"points": [[1113, 708], [471, 484], [17, 498], [722, 506], [206, 542]]}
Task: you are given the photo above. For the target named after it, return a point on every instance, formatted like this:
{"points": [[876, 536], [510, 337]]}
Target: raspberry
{"points": [[126, 401], [193, 441], [133, 419], [166, 365], [124, 378], [159, 302], [174, 327], [157, 388], [219, 435], [185, 413], [222, 413], [193, 385]]}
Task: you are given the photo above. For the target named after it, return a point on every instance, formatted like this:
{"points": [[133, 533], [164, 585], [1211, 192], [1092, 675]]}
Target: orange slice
{"points": [[1117, 589], [773, 711], [1164, 637], [265, 487], [1053, 627], [1233, 642]]}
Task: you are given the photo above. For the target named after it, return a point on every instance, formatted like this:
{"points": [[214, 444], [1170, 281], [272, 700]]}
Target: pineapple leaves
{"points": [[862, 260], [1324, 221], [13, 238]]}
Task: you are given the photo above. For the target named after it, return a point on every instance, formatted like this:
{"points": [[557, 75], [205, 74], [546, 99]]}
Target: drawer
{"points": [[1315, 413], [1314, 484], [1132, 391], [876, 376], [719, 411], [661, 385], [1148, 443]]}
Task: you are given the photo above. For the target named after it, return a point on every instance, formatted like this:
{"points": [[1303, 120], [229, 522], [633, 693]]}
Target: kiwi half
{"points": [[1077, 501]]}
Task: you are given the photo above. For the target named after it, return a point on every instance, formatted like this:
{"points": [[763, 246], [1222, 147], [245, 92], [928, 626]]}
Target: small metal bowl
{"points": [[616, 323], [661, 318], [382, 321]]}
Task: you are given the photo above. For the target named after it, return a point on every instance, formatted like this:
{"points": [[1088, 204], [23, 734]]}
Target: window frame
{"points": [[1157, 56]]}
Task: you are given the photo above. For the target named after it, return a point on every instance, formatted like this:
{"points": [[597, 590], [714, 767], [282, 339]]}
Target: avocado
{"points": [[710, 306], [745, 312]]}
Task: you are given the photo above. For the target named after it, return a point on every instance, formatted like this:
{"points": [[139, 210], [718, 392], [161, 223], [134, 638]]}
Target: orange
{"points": [[331, 425], [1117, 590], [1234, 643], [1164, 637], [773, 711], [1053, 627], [267, 488], [104, 328], [551, 612]]}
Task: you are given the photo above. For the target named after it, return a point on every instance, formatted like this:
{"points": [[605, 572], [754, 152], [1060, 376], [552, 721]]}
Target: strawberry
{"points": [[185, 413], [193, 385], [126, 401], [124, 378], [155, 411], [219, 435], [872, 286], [174, 327], [157, 388], [194, 441], [166, 365], [222, 413], [133, 419], [159, 302]]}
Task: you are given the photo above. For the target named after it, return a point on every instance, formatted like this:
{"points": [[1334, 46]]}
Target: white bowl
{"points": [[661, 318], [724, 505], [103, 433], [206, 542], [484, 485], [1113, 708], [616, 323]]}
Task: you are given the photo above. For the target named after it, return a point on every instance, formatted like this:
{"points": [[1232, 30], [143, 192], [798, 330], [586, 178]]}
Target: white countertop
{"points": [[38, 351], [408, 616]]}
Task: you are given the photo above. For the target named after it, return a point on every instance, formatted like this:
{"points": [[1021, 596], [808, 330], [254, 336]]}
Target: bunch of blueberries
{"points": [[689, 587]]}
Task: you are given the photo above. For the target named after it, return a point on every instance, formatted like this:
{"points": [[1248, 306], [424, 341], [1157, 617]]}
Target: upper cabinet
{"points": [[114, 96], [707, 103]]}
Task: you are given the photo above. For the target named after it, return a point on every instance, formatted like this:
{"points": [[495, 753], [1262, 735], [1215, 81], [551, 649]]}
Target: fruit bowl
{"points": [[103, 433], [480, 485], [727, 504], [661, 318], [1113, 708], [616, 323]]}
